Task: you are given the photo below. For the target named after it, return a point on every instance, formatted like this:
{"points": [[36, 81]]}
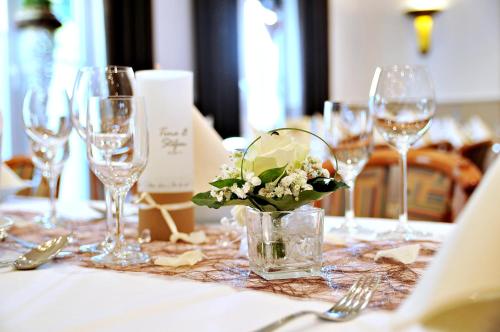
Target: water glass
{"points": [[403, 104], [350, 135], [117, 151], [47, 123], [99, 82]]}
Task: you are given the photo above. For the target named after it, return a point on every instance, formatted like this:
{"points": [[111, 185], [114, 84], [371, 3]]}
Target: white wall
{"points": [[173, 34], [464, 58]]}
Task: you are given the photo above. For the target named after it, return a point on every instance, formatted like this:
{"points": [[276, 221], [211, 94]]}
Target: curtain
{"points": [[313, 17], [216, 73], [129, 34]]}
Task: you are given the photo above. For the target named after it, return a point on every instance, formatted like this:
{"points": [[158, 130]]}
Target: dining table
{"points": [[73, 295]]}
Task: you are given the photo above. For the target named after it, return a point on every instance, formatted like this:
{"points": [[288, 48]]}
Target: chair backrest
{"points": [[23, 166], [477, 153], [439, 184]]}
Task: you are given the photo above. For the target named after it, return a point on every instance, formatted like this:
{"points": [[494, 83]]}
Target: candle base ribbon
{"points": [[149, 203]]}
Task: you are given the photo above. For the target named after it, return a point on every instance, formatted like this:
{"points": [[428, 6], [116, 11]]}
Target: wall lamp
{"points": [[422, 12]]}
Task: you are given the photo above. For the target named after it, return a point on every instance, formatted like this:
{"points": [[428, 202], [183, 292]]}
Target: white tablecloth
{"points": [[70, 298]]}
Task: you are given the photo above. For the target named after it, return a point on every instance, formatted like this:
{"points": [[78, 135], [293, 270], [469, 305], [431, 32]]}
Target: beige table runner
{"points": [[342, 264]]}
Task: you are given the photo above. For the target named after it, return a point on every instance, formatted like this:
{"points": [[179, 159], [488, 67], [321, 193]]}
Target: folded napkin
{"points": [[10, 183], [405, 254], [188, 258], [209, 152], [467, 266]]}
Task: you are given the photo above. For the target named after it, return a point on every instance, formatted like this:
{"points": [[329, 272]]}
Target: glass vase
{"points": [[285, 244]]}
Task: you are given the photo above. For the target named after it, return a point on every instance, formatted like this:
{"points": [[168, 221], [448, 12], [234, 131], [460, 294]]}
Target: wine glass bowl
{"points": [[98, 82], [351, 139], [403, 104]]}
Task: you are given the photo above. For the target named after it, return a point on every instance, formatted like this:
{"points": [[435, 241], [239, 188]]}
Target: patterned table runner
{"points": [[343, 264]]}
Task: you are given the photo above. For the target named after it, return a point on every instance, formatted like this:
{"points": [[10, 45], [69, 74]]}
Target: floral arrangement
{"points": [[275, 173]]}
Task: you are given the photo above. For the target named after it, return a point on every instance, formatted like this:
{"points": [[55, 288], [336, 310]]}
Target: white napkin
{"points": [[209, 153], [188, 258], [467, 265], [405, 254], [10, 183]]}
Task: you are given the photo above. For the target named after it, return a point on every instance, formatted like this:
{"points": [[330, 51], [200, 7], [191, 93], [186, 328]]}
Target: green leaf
{"points": [[272, 174], [321, 188], [227, 183], [326, 185], [205, 199]]}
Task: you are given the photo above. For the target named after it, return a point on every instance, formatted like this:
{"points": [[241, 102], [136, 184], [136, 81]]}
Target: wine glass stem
{"points": [[118, 197], [403, 214], [52, 181], [349, 203], [109, 214]]}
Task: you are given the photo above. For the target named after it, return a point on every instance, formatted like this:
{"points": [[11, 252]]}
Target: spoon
{"points": [[39, 255]]}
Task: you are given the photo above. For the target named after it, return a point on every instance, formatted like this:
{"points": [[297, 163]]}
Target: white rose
{"points": [[272, 151]]}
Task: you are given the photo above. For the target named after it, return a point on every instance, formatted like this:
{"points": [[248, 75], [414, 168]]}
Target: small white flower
{"points": [[238, 191], [255, 181], [247, 187], [279, 191]]}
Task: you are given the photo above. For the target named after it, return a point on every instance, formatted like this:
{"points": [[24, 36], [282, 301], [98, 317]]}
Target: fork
{"points": [[347, 308]]}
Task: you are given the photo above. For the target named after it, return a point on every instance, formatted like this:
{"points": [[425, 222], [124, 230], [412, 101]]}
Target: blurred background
{"points": [[260, 64]]}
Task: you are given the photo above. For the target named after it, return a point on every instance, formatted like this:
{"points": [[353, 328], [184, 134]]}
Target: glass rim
{"points": [[402, 66], [349, 103], [298, 210], [111, 68], [117, 97]]}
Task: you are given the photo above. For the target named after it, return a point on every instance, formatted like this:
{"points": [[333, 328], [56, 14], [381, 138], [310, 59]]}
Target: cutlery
{"points": [[32, 245], [347, 308], [39, 255]]}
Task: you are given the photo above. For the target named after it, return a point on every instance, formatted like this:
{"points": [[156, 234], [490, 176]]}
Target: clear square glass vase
{"points": [[285, 244]]}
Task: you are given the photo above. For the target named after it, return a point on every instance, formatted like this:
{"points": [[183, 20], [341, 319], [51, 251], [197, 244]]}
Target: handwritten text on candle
{"points": [[174, 141]]}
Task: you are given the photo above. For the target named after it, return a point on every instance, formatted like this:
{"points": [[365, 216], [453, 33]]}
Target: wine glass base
{"points": [[351, 229], [121, 258], [105, 246], [404, 233], [46, 222], [94, 248]]}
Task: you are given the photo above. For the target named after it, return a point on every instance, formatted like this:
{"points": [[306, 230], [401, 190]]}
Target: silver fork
{"points": [[347, 308]]}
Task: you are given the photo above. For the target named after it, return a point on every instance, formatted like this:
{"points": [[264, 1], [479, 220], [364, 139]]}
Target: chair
{"points": [[439, 184], [477, 153], [23, 166]]}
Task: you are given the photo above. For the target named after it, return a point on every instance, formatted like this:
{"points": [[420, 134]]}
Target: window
{"points": [[78, 42]]}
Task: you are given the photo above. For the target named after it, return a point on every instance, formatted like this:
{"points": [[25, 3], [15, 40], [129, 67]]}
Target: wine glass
{"points": [[350, 134], [47, 122], [402, 100], [99, 82], [117, 151]]}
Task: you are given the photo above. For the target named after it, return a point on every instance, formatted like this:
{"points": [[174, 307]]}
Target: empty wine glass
{"points": [[350, 134], [117, 151], [47, 122], [99, 82], [402, 100]]}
